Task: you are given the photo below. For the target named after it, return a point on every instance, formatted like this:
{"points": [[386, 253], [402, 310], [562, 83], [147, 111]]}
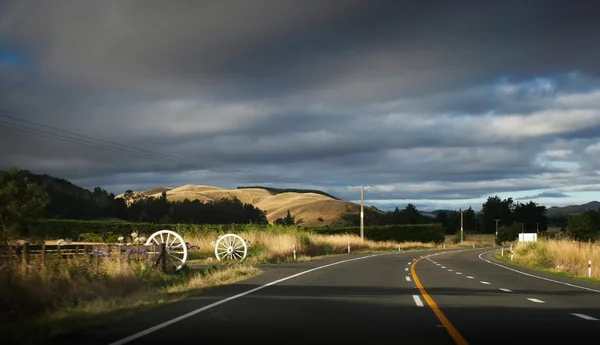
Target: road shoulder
{"points": [[488, 256]]}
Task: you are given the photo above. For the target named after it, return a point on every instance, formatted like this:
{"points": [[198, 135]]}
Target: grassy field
{"points": [[560, 257]]}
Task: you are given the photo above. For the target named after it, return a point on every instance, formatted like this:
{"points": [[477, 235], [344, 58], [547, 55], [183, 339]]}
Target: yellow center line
{"points": [[454, 333]]}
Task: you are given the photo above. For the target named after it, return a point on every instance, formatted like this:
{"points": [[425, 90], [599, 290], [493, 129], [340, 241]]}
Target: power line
{"points": [[71, 137], [58, 134]]}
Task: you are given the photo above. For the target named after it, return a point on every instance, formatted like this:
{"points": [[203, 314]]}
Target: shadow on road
{"points": [[290, 314]]}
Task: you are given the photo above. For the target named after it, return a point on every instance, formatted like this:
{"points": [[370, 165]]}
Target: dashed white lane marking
{"points": [[450, 270], [406, 269], [225, 300], [458, 273], [410, 262], [407, 279], [439, 264], [443, 266], [505, 290], [418, 301], [486, 283], [535, 300], [585, 317], [470, 277]]}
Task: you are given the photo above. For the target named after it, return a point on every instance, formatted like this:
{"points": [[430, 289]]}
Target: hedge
{"points": [[399, 233], [109, 230]]}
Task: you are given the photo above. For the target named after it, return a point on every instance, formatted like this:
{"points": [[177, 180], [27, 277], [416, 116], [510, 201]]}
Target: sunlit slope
{"points": [[309, 209]]}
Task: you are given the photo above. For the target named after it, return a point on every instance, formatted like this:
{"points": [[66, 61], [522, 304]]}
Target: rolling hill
{"points": [[310, 209], [572, 209]]}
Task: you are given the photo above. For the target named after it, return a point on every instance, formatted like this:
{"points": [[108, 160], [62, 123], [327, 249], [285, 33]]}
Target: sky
{"points": [[436, 103]]}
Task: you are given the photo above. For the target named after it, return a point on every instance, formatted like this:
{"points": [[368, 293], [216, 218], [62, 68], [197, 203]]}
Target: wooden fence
{"points": [[25, 253]]}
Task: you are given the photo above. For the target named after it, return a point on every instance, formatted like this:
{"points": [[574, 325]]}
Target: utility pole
{"points": [[362, 210], [496, 220], [461, 226]]}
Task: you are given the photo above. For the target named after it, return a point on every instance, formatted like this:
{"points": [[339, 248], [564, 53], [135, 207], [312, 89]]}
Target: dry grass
{"points": [[471, 241], [66, 295], [558, 256], [277, 247], [308, 207]]}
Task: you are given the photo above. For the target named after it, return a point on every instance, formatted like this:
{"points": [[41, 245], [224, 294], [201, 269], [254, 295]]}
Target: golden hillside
{"points": [[308, 208]]}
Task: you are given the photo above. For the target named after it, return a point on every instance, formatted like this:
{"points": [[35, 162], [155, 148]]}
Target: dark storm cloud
{"points": [[331, 93], [544, 195]]}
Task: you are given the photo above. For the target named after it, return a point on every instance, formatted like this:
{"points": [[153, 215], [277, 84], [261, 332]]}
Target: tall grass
{"points": [[277, 245], [67, 293], [562, 256]]}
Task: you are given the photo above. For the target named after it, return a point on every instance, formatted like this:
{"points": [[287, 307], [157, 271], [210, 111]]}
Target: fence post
{"points": [[163, 257], [589, 268], [294, 251], [348, 247], [119, 255], [25, 257], [43, 256], [87, 251], [502, 252]]}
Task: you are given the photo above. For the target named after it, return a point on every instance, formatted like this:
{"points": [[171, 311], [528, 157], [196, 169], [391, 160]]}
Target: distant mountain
{"points": [[435, 212], [573, 209]]}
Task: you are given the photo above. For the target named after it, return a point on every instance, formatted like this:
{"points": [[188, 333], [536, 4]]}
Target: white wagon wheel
{"points": [[176, 247], [231, 246]]}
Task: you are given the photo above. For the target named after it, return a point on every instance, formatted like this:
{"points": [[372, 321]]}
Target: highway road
{"points": [[454, 297]]}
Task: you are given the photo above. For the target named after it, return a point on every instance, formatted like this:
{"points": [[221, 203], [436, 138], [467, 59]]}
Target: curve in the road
{"points": [[533, 275]]}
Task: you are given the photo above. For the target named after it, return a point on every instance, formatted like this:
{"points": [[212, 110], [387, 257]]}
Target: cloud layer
{"points": [[425, 102]]}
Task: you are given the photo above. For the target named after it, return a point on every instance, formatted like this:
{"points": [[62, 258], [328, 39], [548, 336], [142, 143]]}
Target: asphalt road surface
{"points": [[454, 297]]}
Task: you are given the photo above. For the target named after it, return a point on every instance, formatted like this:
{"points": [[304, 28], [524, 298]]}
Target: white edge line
{"points": [[418, 301], [534, 276], [212, 305], [583, 316]]}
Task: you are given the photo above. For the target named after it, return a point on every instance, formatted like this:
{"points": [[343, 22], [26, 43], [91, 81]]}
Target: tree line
{"points": [[25, 196], [503, 216]]}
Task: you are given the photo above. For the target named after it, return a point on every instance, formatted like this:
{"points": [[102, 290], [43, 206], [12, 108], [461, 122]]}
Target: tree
{"points": [[411, 215], [531, 215], [288, 220], [21, 201], [508, 233], [496, 208], [442, 218], [470, 221], [585, 226]]}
